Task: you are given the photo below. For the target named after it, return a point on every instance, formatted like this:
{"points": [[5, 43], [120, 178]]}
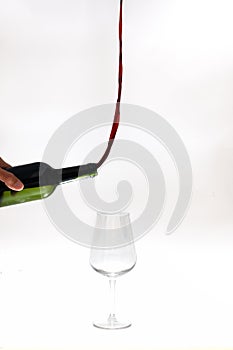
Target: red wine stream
{"points": [[116, 120]]}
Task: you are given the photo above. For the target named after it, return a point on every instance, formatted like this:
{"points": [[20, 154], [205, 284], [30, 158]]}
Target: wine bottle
{"points": [[40, 180]]}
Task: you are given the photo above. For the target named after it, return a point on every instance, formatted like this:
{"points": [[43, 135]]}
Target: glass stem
{"points": [[112, 283]]}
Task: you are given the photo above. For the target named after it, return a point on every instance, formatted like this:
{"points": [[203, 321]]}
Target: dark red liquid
{"points": [[117, 110]]}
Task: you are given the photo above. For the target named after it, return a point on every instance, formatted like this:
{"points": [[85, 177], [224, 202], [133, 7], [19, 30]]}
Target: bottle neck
{"points": [[75, 172]]}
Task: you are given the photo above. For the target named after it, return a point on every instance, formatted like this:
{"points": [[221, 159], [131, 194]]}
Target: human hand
{"points": [[9, 179]]}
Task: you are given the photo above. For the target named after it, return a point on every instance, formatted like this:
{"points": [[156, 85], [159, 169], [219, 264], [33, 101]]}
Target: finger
{"points": [[10, 180], [3, 164]]}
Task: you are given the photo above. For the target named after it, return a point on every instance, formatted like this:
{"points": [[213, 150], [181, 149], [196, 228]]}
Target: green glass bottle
{"points": [[40, 180]]}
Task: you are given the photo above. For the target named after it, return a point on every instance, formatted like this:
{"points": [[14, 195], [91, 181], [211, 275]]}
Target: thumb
{"points": [[3, 164], [10, 180]]}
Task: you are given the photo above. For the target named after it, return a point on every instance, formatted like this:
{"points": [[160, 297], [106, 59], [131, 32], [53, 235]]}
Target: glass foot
{"points": [[112, 323]]}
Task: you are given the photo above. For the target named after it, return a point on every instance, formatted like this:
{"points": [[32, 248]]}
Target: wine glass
{"points": [[112, 254]]}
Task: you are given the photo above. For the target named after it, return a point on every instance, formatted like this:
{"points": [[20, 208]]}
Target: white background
{"points": [[58, 58]]}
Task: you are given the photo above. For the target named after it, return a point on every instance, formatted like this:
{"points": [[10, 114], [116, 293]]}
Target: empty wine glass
{"points": [[112, 254]]}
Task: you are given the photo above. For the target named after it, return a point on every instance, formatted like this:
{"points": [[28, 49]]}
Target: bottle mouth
{"points": [[89, 169]]}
